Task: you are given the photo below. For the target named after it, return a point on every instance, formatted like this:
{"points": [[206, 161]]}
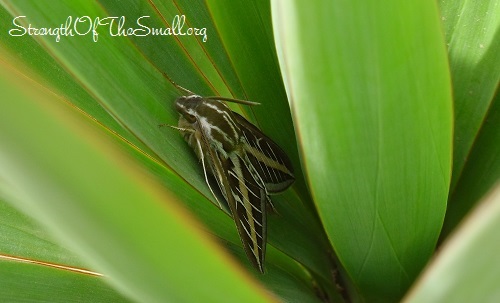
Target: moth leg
{"points": [[202, 158], [188, 130]]}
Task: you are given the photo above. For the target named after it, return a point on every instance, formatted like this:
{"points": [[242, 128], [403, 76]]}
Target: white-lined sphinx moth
{"points": [[246, 164]]}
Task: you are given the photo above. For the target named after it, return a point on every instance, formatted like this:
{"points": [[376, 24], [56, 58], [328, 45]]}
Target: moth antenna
{"points": [[182, 89], [246, 102]]}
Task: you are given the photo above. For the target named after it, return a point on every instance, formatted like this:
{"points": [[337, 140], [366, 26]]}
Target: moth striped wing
{"points": [[247, 198], [270, 161], [250, 197], [241, 187]]}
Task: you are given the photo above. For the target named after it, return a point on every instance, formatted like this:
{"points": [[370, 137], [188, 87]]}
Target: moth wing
{"points": [[246, 196], [207, 164], [197, 140], [271, 162], [250, 196]]}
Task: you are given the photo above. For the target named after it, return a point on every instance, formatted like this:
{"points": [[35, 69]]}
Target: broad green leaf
{"points": [[294, 230], [36, 64], [25, 282], [21, 237], [87, 193], [193, 62], [57, 271], [373, 113], [481, 172], [472, 33], [136, 94], [467, 268]]}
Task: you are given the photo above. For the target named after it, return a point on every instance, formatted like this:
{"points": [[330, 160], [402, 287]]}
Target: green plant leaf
{"points": [[22, 240], [30, 58], [134, 92], [21, 237], [481, 172], [373, 113], [113, 74], [34, 267], [24, 282], [94, 191], [468, 265], [472, 33]]}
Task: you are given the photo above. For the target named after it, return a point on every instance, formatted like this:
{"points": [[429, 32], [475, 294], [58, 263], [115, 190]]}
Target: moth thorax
{"points": [[186, 105]]}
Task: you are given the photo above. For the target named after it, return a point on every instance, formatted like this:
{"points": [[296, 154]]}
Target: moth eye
{"points": [[190, 118]]}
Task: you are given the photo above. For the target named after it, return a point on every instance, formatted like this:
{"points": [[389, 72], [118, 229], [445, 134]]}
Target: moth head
{"points": [[186, 106]]}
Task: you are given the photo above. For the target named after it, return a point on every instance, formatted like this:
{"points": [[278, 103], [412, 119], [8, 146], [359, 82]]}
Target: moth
{"points": [[246, 164]]}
